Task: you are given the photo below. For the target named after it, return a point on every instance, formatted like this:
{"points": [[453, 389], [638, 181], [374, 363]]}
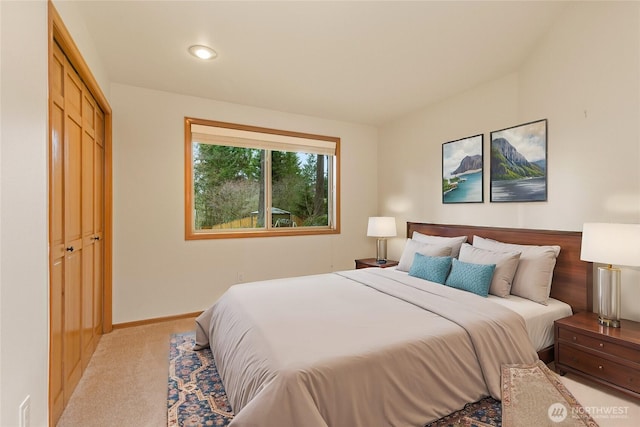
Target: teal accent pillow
{"points": [[431, 268], [469, 277]]}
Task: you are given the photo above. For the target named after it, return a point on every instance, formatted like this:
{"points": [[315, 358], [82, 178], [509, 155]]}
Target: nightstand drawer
{"points": [[600, 345], [599, 367]]}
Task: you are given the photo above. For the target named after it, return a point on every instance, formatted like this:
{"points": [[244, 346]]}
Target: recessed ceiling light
{"points": [[202, 52]]}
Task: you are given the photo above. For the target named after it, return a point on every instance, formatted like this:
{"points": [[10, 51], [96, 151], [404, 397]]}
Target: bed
{"points": [[374, 346], [572, 277]]}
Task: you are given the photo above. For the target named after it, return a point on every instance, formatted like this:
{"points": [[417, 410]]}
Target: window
{"points": [[245, 181]]}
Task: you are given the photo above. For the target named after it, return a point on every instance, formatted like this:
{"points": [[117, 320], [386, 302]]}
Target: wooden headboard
{"points": [[572, 278]]}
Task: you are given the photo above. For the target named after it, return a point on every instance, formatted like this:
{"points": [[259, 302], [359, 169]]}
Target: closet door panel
{"points": [[56, 382], [56, 155], [97, 286], [72, 305], [73, 159], [88, 113], [56, 183], [99, 173], [76, 232], [88, 183], [88, 343], [73, 95], [56, 231], [72, 359], [88, 228], [73, 181], [73, 258], [57, 76], [98, 281]]}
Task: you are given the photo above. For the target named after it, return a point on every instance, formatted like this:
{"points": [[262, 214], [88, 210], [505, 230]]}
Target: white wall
{"points": [[410, 175], [23, 210], [74, 23], [156, 272], [24, 287], [584, 78]]}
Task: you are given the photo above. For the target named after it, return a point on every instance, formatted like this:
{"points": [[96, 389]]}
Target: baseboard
{"points": [[155, 320]]}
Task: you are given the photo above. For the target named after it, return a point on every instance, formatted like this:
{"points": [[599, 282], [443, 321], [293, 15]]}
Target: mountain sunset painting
{"points": [[519, 163]]}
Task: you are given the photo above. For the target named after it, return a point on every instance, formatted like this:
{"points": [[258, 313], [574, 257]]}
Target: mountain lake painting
{"points": [[462, 170], [519, 163]]}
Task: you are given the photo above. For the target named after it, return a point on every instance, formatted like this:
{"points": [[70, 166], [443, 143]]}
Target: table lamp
{"points": [[381, 227], [612, 244]]}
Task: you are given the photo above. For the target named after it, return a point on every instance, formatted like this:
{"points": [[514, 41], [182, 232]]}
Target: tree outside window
{"points": [[247, 181]]}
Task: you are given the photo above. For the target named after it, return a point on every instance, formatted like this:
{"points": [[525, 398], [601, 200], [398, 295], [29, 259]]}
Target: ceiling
{"points": [[355, 61]]}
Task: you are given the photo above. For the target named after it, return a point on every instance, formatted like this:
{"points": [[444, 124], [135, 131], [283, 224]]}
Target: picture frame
{"points": [[463, 170], [518, 166]]}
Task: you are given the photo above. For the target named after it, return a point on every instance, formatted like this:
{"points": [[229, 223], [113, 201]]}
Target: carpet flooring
{"points": [[125, 383]]}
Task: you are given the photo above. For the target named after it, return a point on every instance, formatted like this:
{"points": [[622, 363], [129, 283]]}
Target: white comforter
{"points": [[357, 348]]}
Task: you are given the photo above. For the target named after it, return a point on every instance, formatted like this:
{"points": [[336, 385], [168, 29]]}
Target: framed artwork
{"points": [[519, 163], [462, 165]]}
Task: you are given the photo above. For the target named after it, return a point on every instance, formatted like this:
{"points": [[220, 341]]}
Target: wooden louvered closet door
{"points": [[76, 228]]}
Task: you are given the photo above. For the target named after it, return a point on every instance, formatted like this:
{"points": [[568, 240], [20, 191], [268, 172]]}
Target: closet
{"points": [[76, 228]]}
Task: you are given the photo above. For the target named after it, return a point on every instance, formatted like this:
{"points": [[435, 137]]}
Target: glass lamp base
{"points": [[381, 250], [609, 296]]}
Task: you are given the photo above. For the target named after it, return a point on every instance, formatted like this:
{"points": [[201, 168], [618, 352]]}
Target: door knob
{"points": [[70, 249]]}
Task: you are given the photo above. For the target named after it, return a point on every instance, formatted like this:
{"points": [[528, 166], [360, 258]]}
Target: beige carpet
{"points": [[601, 400], [125, 384]]}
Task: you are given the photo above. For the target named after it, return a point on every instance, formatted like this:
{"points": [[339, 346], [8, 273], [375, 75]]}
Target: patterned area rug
{"points": [[485, 413], [533, 395], [197, 396]]}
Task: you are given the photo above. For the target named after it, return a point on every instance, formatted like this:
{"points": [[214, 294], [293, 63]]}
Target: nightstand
{"points": [[371, 262], [608, 356]]}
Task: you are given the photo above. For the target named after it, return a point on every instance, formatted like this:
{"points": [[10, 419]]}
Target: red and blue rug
{"points": [[197, 396]]}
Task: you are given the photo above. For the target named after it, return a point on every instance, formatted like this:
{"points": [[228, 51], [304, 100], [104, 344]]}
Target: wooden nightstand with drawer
{"points": [[609, 356]]}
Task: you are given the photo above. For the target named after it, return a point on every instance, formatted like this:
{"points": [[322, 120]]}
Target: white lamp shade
{"points": [[615, 244], [381, 226]]}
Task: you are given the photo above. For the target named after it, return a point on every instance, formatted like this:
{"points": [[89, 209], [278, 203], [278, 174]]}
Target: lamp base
{"points": [[613, 323], [609, 296], [381, 250]]}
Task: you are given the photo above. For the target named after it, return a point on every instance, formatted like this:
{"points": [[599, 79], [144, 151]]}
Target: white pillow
{"points": [[412, 247], [506, 264], [453, 242], [535, 269]]}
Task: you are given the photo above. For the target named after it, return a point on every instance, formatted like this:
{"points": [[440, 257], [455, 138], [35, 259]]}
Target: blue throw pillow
{"points": [[469, 277], [432, 268]]}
